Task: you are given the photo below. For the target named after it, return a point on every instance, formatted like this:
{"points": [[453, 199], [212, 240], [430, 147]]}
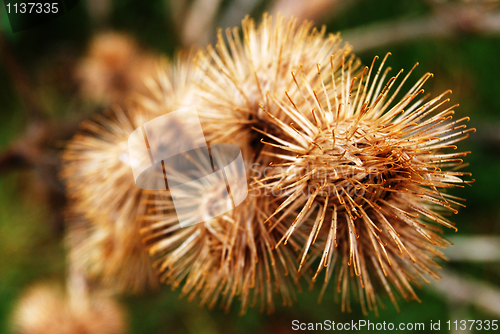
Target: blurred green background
{"points": [[464, 57]]}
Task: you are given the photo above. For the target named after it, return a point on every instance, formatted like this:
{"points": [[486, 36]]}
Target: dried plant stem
{"points": [[317, 10], [197, 28], [32, 148], [21, 81], [444, 23], [474, 249], [468, 290]]}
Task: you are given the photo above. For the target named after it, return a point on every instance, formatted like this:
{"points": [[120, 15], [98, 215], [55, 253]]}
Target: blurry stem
{"points": [[474, 249], [179, 9], [36, 149], [460, 289], [77, 288], [316, 10], [11, 159], [30, 148], [198, 25], [446, 22], [197, 22], [33, 148], [21, 82]]}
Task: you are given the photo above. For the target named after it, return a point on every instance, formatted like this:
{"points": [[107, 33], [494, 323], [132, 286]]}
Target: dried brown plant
{"points": [[362, 171], [45, 308], [347, 173]]}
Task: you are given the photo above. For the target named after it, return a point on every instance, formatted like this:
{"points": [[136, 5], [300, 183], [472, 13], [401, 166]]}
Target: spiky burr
{"points": [[363, 171], [104, 201]]}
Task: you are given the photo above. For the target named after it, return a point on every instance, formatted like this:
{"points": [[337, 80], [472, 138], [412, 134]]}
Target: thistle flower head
{"points": [[362, 172], [104, 199], [109, 252], [353, 166], [172, 86], [46, 309], [241, 73], [233, 79], [228, 256], [114, 66], [355, 178]]}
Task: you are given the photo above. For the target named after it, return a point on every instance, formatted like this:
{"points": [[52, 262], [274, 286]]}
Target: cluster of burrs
{"points": [[347, 169]]}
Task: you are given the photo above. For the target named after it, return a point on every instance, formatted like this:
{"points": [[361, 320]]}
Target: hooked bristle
{"points": [[367, 176]]}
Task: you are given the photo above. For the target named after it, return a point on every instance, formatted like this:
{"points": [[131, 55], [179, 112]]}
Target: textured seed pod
{"points": [[110, 252], [221, 258], [232, 82], [114, 66], [351, 172], [172, 86], [104, 203], [104, 199], [363, 172], [45, 309], [242, 73]]}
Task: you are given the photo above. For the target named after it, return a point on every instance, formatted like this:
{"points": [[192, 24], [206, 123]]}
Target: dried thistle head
{"points": [[363, 173], [172, 86], [104, 202], [104, 199], [220, 259], [353, 178], [45, 308], [114, 66], [232, 255], [110, 252], [242, 73], [352, 173]]}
